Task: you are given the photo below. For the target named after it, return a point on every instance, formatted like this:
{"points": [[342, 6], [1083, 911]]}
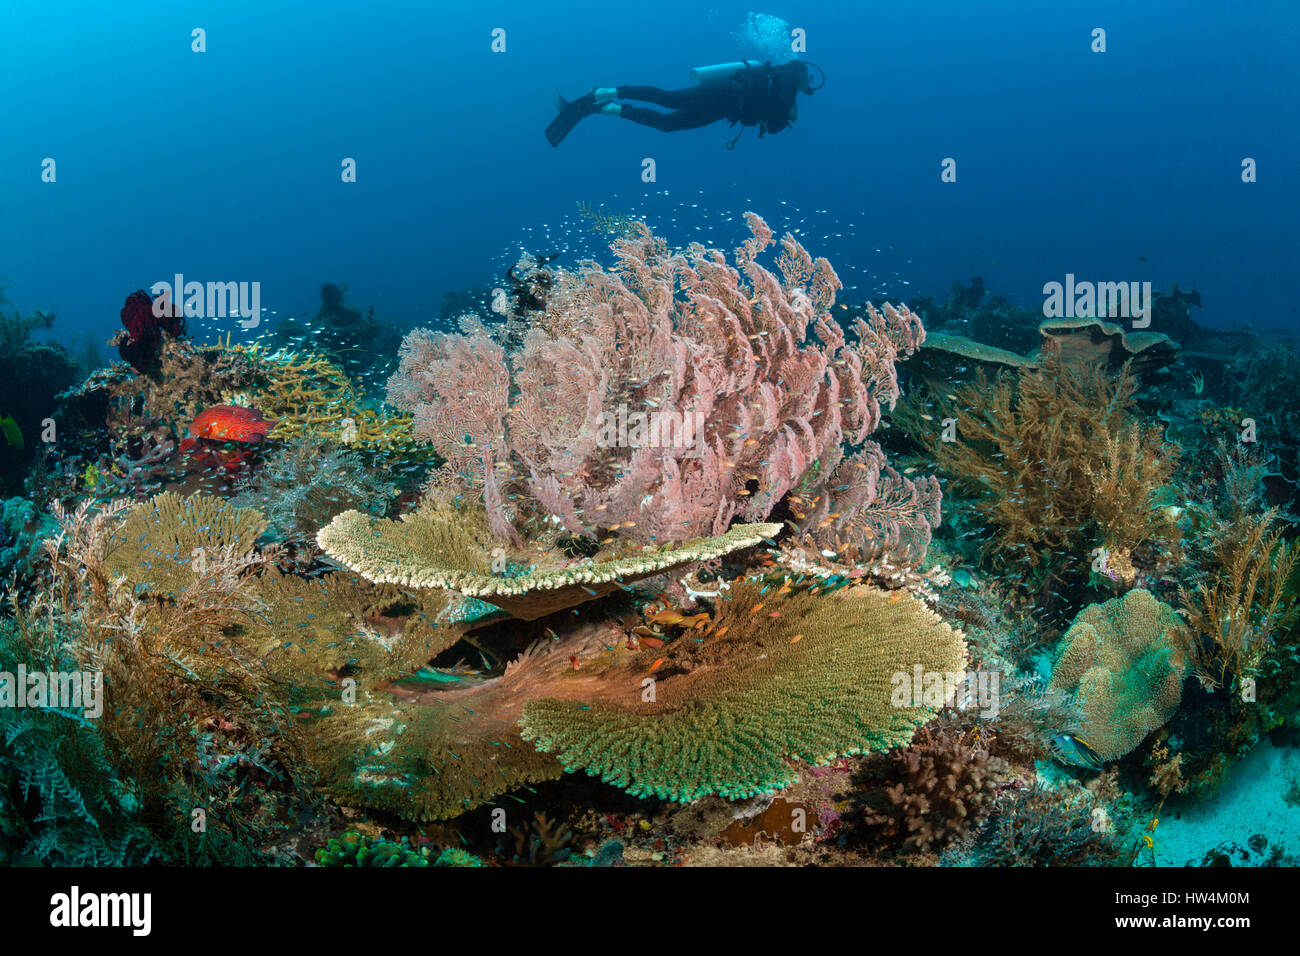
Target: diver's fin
{"points": [[571, 113]]}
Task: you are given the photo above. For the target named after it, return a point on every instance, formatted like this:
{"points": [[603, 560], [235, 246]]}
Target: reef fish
{"points": [[1075, 751], [12, 433], [228, 423]]}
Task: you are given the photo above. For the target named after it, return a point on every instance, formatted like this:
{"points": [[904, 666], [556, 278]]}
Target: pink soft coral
{"points": [[753, 357]]}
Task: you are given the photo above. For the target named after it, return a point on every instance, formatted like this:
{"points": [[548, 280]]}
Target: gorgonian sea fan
{"points": [[748, 363]]}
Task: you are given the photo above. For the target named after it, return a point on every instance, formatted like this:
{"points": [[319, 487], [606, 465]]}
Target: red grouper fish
{"points": [[227, 423]]}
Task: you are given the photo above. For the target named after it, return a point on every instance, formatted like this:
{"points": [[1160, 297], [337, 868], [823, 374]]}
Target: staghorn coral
{"points": [[307, 395], [1123, 662], [757, 384], [945, 785], [542, 842], [452, 550], [776, 676]]}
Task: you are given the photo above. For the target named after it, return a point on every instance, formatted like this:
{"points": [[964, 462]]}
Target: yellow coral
{"points": [[306, 394]]}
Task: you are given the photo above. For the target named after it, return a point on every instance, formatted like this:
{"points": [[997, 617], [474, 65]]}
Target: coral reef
{"points": [[1045, 827], [674, 590], [308, 395], [304, 483], [1054, 461]]}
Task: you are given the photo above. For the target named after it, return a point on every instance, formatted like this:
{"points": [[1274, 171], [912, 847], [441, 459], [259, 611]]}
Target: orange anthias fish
{"points": [[224, 423], [677, 618]]}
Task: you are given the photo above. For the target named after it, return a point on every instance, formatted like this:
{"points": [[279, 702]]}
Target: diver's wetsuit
{"points": [[762, 96], [692, 108]]}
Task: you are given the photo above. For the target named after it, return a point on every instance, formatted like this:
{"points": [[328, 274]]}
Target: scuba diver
{"points": [[749, 93]]}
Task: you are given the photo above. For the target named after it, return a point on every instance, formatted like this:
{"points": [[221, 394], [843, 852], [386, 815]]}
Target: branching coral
{"points": [[1044, 827], [946, 784], [1123, 662], [307, 395], [745, 372], [778, 675]]}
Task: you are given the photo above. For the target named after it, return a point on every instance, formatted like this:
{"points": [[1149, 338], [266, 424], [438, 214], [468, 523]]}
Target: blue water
{"points": [[225, 165]]}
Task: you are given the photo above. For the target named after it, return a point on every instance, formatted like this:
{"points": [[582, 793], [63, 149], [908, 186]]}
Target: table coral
{"points": [[778, 675], [432, 550]]}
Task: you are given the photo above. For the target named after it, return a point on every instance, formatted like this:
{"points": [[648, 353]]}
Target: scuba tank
{"points": [[704, 75]]}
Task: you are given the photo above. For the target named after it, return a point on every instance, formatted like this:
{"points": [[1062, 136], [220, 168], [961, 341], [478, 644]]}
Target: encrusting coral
{"points": [[1123, 662], [665, 397]]}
